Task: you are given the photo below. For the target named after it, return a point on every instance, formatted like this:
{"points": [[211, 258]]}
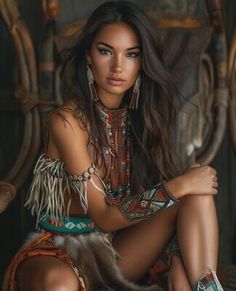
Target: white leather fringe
{"points": [[48, 187]]}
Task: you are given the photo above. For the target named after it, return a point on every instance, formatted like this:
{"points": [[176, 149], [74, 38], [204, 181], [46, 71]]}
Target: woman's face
{"points": [[115, 60]]}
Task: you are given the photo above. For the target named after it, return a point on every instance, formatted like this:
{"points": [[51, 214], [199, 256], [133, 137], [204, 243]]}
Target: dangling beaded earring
{"points": [[91, 84], [135, 94]]}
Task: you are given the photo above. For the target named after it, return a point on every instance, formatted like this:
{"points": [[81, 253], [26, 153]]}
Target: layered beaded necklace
{"points": [[117, 153]]}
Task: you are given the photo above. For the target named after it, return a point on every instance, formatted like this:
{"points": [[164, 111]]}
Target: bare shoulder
{"points": [[68, 123]]}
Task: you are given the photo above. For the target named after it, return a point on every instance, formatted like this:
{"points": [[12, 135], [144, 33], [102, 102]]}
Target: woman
{"points": [[107, 191]]}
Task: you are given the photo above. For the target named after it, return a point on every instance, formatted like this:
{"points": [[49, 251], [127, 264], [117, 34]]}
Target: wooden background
{"points": [[15, 221]]}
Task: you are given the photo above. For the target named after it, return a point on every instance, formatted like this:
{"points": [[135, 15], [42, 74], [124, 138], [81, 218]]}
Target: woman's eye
{"points": [[104, 52], [133, 54]]}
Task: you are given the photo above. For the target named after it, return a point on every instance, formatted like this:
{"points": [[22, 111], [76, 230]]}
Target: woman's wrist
{"points": [[177, 187], [175, 259]]}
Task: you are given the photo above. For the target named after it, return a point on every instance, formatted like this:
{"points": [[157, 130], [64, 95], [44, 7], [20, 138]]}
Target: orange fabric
{"points": [[41, 246]]}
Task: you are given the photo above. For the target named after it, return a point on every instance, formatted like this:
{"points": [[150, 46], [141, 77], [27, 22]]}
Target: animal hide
{"points": [[96, 259]]}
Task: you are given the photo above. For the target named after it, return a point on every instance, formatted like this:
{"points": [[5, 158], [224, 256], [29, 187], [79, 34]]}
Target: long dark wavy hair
{"points": [[153, 122]]}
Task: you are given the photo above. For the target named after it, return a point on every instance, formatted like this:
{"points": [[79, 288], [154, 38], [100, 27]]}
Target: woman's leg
{"points": [[46, 273], [197, 233], [140, 245]]}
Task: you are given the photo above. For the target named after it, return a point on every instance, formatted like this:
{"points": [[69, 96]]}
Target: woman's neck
{"points": [[110, 101]]}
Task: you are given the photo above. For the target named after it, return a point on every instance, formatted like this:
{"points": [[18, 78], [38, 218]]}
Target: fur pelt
{"points": [[96, 259]]}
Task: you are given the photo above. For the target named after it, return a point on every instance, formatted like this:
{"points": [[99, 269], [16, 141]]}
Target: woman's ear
{"points": [[88, 59]]}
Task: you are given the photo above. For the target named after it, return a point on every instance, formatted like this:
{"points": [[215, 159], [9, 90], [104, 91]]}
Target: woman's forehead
{"points": [[118, 35]]}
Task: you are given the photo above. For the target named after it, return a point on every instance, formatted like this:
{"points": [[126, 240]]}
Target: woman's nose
{"points": [[117, 64]]}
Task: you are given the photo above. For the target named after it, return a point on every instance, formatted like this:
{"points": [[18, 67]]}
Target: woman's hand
{"points": [[178, 279], [197, 180]]}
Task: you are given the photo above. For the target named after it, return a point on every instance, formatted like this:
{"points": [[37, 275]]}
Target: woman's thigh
{"points": [[139, 246], [46, 273]]}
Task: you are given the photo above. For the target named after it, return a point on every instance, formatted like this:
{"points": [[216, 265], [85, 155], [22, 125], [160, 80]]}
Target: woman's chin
{"points": [[115, 90]]}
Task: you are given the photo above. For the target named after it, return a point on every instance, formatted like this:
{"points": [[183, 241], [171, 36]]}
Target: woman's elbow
{"points": [[109, 219], [104, 225], [106, 228]]}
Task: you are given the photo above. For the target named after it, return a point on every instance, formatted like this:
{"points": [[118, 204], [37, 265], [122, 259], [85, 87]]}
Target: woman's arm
{"points": [[71, 140], [196, 180]]}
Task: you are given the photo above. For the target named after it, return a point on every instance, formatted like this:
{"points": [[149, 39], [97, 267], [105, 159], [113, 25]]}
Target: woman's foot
{"points": [[208, 282]]}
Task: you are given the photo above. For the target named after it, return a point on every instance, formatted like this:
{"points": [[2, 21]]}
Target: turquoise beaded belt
{"points": [[71, 224]]}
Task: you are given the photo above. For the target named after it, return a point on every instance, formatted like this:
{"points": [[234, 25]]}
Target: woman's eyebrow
{"points": [[134, 47], [111, 47]]}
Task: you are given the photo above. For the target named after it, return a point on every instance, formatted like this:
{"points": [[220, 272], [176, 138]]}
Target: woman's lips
{"points": [[115, 81]]}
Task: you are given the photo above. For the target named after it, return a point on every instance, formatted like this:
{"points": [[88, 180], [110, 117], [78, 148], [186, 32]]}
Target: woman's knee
{"points": [[47, 274], [59, 279], [198, 201]]}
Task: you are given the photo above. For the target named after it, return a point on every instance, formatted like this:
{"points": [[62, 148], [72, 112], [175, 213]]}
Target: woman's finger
{"points": [[214, 172], [214, 191], [195, 165], [215, 185]]}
